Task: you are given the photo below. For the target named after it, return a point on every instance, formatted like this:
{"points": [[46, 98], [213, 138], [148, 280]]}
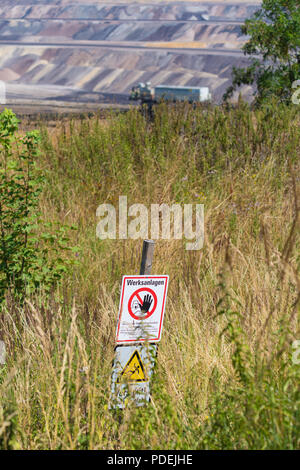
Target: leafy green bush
{"points": [[31, 253]]}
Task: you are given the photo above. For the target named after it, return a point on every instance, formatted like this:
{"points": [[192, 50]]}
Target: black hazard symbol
{"points": [[134, 370]]}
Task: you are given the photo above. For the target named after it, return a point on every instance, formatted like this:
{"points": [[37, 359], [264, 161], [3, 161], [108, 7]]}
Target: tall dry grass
{"points": [[224, 376]]}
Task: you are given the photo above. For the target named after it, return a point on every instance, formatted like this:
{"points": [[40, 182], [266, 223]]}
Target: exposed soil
{"points": [[91, 53]]}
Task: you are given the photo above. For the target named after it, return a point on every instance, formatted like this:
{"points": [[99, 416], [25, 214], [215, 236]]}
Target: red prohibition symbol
{"points": [[140, 300]]}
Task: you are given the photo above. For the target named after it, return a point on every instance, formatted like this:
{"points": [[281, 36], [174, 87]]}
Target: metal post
{"points": [[146, 267], [147, 257], [2, 352]]}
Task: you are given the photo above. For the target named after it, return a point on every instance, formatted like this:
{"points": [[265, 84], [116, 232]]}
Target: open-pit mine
{"points": [[60, 54]]}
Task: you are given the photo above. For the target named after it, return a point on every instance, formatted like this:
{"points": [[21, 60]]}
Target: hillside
{"points": [[94, 53]]}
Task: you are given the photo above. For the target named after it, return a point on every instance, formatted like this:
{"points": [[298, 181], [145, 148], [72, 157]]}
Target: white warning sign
{"points": [[132, 371], [142, 306]]}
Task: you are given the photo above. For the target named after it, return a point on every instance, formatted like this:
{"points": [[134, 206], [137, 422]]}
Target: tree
{"points": [[274, 47]]}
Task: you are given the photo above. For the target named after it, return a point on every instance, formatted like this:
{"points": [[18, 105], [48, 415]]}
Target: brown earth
{"points": [[76, 52]]}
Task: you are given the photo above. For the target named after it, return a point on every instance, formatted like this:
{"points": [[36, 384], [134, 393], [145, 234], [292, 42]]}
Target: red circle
{"points": [[150, 311]]}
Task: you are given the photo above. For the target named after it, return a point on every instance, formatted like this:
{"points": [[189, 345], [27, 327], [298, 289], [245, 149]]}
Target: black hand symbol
{"points": [[146, 304]]}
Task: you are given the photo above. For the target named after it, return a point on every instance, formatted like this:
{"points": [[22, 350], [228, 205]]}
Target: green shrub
{"points": [[31, 252]]}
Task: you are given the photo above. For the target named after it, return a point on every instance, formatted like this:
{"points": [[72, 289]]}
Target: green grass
{"points": [[224, 377]]}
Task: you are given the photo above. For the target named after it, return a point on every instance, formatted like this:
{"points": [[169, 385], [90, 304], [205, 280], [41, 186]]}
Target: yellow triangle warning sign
{"points": [[134, 370]]}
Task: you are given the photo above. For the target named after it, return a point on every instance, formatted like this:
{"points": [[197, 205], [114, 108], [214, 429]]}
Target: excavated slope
{"points": [[96, 51]]}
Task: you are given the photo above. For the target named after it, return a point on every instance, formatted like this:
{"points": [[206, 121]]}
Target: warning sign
{"points": [[134, 370], [142, 306], [141, 309]]}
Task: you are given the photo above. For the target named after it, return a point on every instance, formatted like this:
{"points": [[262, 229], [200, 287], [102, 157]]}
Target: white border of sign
{"points": [[136, 329]]}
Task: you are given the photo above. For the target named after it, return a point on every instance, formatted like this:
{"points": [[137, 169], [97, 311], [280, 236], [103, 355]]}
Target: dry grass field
{"points": [[224, 378]]}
